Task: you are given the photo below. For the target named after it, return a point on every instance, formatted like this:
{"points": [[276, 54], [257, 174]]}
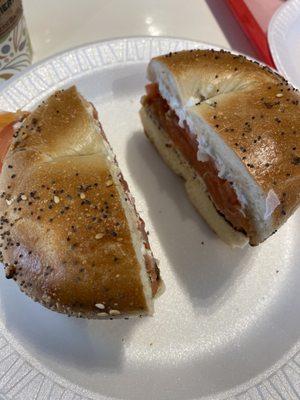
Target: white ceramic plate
{"points": [[228, 325], [284, 40]]}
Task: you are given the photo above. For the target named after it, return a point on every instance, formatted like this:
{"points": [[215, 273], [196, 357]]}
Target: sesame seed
{"points": [[56, 199], [100, 305], [23, 197], [109, 183], [279, 94], [114, 312], [82, 196], [99, 236]]}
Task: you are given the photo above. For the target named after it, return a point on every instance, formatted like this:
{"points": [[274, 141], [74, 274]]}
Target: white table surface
{"points": [[56, 25]]}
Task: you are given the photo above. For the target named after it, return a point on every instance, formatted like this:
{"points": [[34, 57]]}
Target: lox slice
{"points": [[220, 190]]}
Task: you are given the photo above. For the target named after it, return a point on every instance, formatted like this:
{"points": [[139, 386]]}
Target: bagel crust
{"points": [[70, 234], [250, 111]]}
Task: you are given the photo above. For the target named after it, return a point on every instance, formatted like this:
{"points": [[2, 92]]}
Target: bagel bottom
{"points": [[194, 184]]}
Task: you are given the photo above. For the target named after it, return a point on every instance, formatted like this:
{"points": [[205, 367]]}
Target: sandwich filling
{"points": [[220, 191]]}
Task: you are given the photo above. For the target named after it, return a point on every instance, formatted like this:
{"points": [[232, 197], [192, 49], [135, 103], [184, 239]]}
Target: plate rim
{"points": [[45, 60], [276, 27], [70, 387], [6, 84]]}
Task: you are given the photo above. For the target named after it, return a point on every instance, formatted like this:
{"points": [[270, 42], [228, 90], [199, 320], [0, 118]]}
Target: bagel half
{"points": [[70, 234], [230, 127]]}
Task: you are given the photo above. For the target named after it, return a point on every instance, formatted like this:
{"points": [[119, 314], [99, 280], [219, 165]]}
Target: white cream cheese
{"points": [[272, 202], [192, 101], [175, 103]]}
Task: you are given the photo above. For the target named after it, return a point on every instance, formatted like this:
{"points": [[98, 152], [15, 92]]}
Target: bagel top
{"points": [[66, 236]]}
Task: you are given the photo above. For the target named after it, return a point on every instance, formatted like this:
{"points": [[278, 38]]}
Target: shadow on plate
{"points": [[206, 267], [88, 344]]}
